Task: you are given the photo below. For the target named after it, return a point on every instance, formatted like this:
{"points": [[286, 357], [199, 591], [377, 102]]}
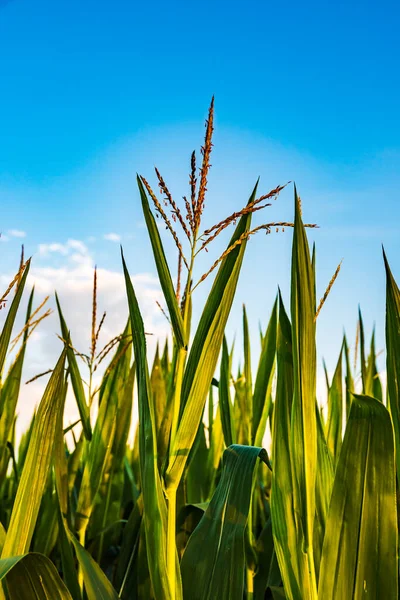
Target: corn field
{"points": [[196, 508]]}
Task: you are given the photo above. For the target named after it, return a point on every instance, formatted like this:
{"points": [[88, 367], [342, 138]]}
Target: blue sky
{"points": [[92, 92]]}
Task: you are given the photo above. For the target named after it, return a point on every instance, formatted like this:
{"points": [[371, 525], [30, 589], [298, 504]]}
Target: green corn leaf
{"points": [[205, 351], [162, 415], [227, 418], [362, 352], [3, 534], [374, 386], [154, 506], [323, 489], [196, 474], [60, 464], [12, 313], [97, 586], [9, 397], [393, 354], [359, 558], [266, 559], [328, 385], [284, 525], [219, 572], [129, 547], [32, 577], [102, 442], [248, 383], [188, 518], [262, 398], [46, 530], [335, 411], [304, 430], [36, 466], [215, 451], [163, 269], [76, 379], [348, 378], [68, 563]]}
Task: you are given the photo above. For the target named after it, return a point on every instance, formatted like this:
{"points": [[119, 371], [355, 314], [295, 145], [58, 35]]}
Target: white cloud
{"points": [[64, 249], [112, 237], [3, 238], [16, 233], [73, 281]]}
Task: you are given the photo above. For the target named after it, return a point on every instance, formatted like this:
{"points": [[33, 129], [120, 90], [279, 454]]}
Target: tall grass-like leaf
{"points": [[323, 489], [101, 444], [393, 354], [12, 313], [97, 586], [248, 383], [76, 379], [304, 430], [36, 466], [284, 525], [359, 558], [262, 389], [328, 384], [362, 352], [162, 422], [374, 386], [348, 378], [335, 411], [163, 269], [9, 396], [205, 350], [227, 418], [219, 572], [154, 507], [32, 577]]}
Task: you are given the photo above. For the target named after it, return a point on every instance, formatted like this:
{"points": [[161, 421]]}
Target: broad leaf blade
{"points": [[76, 379], [393, 354], [304, 430], [162, 269], [262, 389], [335, 411], [219, 572], [154, 507], [32, 577], [36, 466], [284, 525], [205, 351], [12, 313], [228, 423], [359, 558]]}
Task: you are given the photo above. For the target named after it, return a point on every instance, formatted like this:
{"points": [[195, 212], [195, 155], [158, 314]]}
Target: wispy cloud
{"points": [[16, 233], [73, 281], [64, 249], [4, 238], [112, 237]]}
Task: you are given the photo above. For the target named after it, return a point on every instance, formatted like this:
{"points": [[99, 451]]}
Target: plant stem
{"points": [[171, 541], [171, 493], [250, 584]]}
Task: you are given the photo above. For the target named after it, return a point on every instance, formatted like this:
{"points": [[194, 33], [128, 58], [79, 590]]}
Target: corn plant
{"points": [[196, 509]]}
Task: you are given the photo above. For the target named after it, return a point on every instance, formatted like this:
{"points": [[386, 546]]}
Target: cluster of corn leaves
{"points": [[196, 509]]}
